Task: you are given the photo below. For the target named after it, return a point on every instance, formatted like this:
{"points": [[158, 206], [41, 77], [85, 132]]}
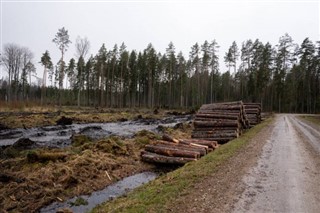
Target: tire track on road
{"points": [[286, 178]]}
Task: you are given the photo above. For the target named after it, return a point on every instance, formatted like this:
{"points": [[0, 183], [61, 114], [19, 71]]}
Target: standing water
{"points": [[59, 136], [115, 190]]}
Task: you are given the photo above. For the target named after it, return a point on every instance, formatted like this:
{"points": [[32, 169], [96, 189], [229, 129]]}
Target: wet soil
{"points": [[28, 183], [85, 203], [64, 161], [60, 135]]}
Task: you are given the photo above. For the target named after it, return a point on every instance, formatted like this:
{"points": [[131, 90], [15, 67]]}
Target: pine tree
{"points": [[214, 64], [195, 66], [123, 63], [283, 63], [133, 77], [71, 73], [80, 78], [101, 71], [47, 63], [308, 72], [62, 41], [171, 64], [205, 62]]}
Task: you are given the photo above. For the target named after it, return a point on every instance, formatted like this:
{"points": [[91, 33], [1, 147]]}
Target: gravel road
{"points": [[286, 177], [279, 171]]}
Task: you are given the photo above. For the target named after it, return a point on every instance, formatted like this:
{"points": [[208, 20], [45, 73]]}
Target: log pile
{"points": [[177, 151], [220, 122], [253, 112]]}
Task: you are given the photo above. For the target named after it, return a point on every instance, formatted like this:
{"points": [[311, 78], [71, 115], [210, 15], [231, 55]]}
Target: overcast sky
{"points": [[34, 24]]}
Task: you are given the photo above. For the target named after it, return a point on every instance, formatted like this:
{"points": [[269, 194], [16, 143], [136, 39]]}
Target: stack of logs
{"points": [[220, 122], [253, 112], [177, 151]]}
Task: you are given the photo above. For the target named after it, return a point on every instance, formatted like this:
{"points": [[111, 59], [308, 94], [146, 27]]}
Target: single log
{"points": [[166, 137], [253, 104], [217, 116], [252, 115], [223, 103], [171, 139], [156, 158], [252, 111], [216, 119], [219, 112], [190, 140], [210, 144], [216, 123], [219, 140], [201, 150], [171, 151], [195, 145], [214, 135], [221, 107], [217, 128], [211, 131]]}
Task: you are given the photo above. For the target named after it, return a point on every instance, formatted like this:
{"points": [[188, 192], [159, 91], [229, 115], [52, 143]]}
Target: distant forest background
{"points": [[284, 77]]}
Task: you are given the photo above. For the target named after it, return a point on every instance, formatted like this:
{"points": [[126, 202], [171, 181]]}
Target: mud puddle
{"points": [[59, 136], [85, 203]]}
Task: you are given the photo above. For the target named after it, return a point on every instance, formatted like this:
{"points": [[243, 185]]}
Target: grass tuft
{"points": [[314, 119]]}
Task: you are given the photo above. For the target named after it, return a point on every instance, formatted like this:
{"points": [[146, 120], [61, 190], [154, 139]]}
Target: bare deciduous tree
{"points": [[82, 47]]}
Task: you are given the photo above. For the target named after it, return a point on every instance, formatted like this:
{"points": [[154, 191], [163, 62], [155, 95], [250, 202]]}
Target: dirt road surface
{"points": [[279, 171], [286, 178]]}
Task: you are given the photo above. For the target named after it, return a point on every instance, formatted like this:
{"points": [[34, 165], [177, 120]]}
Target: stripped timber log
{"points": [[190, 140], [221, 107], [221, 131], [171, 151], [219, 140], [214, 135], [217, 128], [156, 158], [232, 103], [218, 116], [201, 150], [170, 139], [216, 123], [210, 144], [252, 111]]}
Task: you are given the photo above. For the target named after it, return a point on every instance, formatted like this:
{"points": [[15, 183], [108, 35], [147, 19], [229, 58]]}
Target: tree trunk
{"points": [[216, 123], [184, 146], [171, 151], [155, 158]]}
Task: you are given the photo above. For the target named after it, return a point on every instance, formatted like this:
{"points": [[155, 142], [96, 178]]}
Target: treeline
{"points": [[284, 77]]}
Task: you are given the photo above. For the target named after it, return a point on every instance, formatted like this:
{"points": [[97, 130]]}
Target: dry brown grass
{"points": [[44, 116], [43, 176], [39, 177]]}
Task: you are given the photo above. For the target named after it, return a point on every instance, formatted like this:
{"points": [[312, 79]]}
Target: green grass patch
{"points": [[78, 202], [314, 119], [156, 195]]}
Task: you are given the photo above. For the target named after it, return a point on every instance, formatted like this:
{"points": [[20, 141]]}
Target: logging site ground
{"points": [[64, 160]]}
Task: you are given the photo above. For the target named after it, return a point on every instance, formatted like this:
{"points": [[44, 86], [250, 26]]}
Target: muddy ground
{"points": [[39, 117], [277, 172], [32, 177]]}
